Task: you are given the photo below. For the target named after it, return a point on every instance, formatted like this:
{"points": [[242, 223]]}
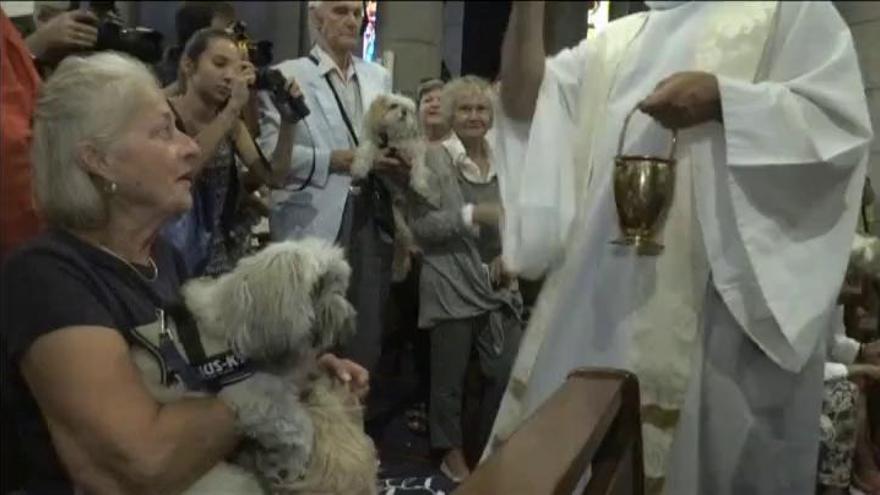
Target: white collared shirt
{"points": [[346, 85], [469, 169]]}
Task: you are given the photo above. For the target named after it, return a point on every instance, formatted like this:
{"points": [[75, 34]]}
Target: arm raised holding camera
{"points": [[62, 34], [228, 120], [273, 171]]}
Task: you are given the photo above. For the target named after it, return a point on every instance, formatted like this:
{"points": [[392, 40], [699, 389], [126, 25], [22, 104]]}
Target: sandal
{"points": [[417, 419], [448, 473], [417, 426]]}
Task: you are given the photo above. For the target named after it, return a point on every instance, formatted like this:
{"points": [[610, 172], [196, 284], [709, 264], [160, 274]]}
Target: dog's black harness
{"points": [[199, 372], [204, 373]]}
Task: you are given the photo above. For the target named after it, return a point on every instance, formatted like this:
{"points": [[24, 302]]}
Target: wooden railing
{"points": [[591, 424]]}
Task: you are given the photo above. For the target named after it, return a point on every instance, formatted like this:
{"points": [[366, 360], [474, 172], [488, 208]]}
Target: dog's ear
{"points": [[407, 102], [237, 307], [223, 309], [373, 118], [335, 316], [273, 291]]}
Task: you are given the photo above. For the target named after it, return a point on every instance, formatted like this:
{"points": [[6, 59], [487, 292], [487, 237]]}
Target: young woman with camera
{"points": [[215, 77]]}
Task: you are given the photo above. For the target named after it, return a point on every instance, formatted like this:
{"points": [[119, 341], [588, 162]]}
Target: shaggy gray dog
{"points": [[280, 309]]}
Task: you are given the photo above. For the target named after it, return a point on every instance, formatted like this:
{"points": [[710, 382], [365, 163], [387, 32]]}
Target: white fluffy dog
{"points": [[281, 308], [391, 124]]}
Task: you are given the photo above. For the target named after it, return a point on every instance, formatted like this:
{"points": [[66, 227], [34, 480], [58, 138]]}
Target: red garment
{"points": [[19, 82]]}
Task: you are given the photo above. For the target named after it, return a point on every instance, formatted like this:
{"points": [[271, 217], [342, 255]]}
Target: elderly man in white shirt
{"points": [[321, 200]]}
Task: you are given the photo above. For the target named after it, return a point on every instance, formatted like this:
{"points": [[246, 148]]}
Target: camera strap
{"points": [[268, 164], [339, 104], [194, 368]]}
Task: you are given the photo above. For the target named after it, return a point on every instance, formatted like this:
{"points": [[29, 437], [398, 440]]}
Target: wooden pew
{"points": [[591, 422]]}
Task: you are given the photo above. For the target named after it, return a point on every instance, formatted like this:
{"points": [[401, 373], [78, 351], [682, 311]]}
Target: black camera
{"points": [[268, 79], [259, 53], [140, 42], [272, 80]]}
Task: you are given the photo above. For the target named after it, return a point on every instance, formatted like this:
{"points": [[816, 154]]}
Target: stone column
{"points": [[453, 35], [413, 31], [864, 22]]}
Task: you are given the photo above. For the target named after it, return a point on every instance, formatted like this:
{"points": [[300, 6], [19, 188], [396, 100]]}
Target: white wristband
{"points": [[467, 214]]}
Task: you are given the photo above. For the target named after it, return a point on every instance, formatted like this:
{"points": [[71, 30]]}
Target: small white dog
{"points": [[391, 124], [282, 308]]}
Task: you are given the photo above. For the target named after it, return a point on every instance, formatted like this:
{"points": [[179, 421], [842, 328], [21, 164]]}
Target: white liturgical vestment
{"points": [[725, 328]]}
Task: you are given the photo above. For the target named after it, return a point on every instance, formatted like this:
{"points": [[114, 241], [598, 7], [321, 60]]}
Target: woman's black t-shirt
{"points": [[58, 281]]}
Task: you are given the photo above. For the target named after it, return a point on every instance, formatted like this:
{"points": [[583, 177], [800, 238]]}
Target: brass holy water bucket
{"points": [[643, 189]]}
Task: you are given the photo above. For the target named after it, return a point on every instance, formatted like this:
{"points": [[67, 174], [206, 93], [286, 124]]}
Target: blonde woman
{"points": [[467, 301]]}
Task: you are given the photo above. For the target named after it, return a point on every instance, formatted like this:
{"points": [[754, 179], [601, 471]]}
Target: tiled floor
{"points": [[405, 456], [394, 384]]}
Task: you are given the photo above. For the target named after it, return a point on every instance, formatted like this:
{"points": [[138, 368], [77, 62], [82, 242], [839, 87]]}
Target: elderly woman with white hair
{"points": [[83, 316], [467, 301]]}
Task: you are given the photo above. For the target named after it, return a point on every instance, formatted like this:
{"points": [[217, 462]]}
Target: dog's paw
{"points": [[268, 410], [282, 468]]}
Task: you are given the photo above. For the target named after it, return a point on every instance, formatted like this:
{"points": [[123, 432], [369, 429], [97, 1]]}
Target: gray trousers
{"points": [[369, 250], [452, 343]]}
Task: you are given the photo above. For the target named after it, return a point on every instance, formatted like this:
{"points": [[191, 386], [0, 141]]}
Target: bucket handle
{"points": [[623, 135]]}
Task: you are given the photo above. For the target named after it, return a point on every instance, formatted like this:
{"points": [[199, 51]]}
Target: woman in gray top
{"points": [[468, 302]]}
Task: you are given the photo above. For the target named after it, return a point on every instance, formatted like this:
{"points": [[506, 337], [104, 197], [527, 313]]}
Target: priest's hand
{"points": [[684, 99]]}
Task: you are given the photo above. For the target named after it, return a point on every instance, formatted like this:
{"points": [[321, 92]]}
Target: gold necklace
{"points": [[153, 266]]}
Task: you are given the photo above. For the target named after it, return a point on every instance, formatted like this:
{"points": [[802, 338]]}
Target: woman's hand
{"points": [[354, 375], [240, 93], [498, 273], [248, 72]]}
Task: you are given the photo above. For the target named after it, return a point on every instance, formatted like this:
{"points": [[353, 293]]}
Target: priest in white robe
{"points": [[726, 327]]}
